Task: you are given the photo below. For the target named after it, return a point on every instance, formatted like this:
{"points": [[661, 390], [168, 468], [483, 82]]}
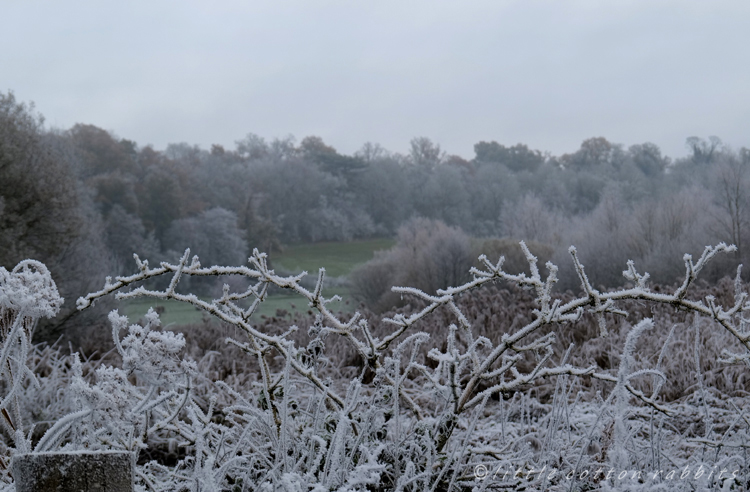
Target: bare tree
{"points": [[424, 153], [733, 184], [703, 150]]}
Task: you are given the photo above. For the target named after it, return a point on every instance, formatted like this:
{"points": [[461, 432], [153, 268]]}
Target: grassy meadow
{"points": [[339, 259]]}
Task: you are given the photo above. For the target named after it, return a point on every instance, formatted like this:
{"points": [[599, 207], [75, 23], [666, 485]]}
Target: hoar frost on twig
{"points": [[27, 294], [469, 371]]}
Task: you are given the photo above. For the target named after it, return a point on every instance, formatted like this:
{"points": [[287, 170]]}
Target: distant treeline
{"points": [[83, 200]]}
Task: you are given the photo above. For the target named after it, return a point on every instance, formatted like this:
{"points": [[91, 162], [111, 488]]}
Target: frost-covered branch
{"points": [[553, 311], [434, 396], [227, 309]]}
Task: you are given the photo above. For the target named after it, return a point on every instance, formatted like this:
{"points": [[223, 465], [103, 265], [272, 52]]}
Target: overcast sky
{"points": [[546, 73]]}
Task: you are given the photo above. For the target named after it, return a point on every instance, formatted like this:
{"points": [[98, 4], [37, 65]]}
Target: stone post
{"points": [[98, 471]]}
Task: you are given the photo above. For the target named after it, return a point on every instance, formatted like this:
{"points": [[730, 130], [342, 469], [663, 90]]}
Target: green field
{"points": [[178, 313], [339, 259]]}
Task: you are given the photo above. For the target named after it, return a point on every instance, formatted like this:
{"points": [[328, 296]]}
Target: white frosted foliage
{"points": [[411, 418]]}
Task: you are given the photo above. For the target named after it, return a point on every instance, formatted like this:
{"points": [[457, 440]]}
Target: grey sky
{"points": [[546, 73]]}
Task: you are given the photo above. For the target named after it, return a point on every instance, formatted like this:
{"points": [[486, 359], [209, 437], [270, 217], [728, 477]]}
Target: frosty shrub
{"points": [[530, 219], [27, 294], [654, 234], [428, 255], [421, 411], [402, 422]]}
